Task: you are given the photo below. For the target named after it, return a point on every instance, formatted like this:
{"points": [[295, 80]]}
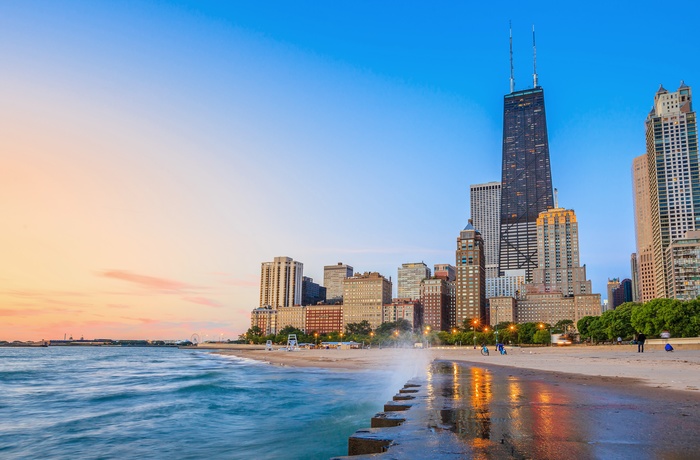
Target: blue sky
{"points": [[187, 142]]}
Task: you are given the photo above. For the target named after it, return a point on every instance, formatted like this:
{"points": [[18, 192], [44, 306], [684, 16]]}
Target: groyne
{"points": [[407, 429]]}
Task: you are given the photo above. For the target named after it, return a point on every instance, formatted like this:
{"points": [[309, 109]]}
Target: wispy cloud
{"points": [[246, 281], [148, 282], [203, 301]]}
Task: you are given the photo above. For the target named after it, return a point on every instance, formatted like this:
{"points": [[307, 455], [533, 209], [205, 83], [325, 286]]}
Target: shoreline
{"points": [[612, 365]]}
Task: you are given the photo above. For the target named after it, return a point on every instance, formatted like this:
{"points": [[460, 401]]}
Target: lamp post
{"points": [[371, 338], [512, 328], [316, 337], [474, 332], [396, 343]]}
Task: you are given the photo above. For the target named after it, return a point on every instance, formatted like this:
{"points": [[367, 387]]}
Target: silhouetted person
{"points": [[641, 338]]}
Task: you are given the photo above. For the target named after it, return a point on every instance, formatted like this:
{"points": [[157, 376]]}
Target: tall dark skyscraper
{"points": [[526, 183]]}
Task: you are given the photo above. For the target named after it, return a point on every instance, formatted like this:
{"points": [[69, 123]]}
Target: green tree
{"points": [[542, 336], [563, 326], [362, 328]]}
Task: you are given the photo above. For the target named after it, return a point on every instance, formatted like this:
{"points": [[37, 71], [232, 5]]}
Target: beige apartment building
{"points": [[280, 283], [558, 265], [646, 288], [364, 297], [292, 316], [503, 310]]}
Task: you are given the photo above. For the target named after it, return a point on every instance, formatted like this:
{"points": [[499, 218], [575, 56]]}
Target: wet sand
{"points": [[612, 365]]}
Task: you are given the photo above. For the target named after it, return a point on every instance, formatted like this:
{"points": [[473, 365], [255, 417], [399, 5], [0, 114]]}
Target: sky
{"points": [[154, 153]]}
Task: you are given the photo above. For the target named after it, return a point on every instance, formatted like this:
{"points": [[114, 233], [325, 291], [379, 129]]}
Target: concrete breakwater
{"points": [[406, 429]]}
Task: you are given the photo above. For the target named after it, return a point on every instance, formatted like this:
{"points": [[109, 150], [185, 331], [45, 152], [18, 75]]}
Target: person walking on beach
{"points": [[641, 338]]}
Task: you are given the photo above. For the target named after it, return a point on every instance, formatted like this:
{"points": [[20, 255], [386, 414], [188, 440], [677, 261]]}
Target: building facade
{"points": [[280, 283], [643, 229], [509, 285], [672, 159], [683, 262], [485, 207], [291, 316], [265, 318], [526, 181], [410, 276], [333, 276], [324, 319], [558, 264], [503, 309], [444, 271], [470, 284], [436, 300], [311, 293], [552, 307], [634, 269], [364, 297], [407, 309]]}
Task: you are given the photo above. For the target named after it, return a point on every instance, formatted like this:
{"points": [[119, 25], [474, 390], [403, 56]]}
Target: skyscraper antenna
{"points": [[534, 57], [512, 79]]}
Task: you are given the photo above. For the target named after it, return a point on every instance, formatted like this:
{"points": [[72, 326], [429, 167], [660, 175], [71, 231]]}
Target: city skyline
{"points": [[156, 153]]}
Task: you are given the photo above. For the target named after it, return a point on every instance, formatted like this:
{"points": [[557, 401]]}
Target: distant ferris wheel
{"points": [[195, 338]]}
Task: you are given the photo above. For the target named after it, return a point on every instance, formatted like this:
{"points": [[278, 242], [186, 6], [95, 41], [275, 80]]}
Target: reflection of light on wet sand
{"points": [[455, 381]]}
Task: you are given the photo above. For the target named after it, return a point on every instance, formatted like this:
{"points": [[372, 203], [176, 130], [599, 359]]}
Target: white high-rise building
{"points": [[672, 157], [509, 285], [485, 204], [280, 283], [410, 276]]}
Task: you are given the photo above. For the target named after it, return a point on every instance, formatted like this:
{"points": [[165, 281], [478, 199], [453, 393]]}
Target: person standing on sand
{"points": [[619, 340], [640, 342]]}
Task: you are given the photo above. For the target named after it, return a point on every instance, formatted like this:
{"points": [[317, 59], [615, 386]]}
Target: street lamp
{"points": [[396, 343], [316, 337], [474, 332], [512, 328]]}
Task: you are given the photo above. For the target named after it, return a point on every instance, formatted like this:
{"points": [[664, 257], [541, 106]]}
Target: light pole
{"points": [[396, 343], [512, 328], [371, 338], [316, 337], [474, 332]]}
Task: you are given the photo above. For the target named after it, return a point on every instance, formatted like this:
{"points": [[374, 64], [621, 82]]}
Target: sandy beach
{"points": [[612, 365]]}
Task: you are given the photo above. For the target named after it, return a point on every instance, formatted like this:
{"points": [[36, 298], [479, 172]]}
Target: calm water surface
{"points": [[109, 402]]}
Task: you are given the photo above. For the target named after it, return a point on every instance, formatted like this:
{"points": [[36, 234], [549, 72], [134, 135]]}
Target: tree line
{"points": [[680, 318]]}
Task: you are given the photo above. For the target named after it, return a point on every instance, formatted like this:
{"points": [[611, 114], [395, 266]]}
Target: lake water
{"points": [[118, 402]]}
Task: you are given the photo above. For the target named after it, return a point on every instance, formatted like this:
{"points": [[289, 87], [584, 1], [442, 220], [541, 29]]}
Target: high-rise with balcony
{"points": [[485, 206], [672, 158], [280, 283]]}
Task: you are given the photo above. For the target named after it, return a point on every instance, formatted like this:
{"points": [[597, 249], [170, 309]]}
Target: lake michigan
{"points": [[120, 402]]}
